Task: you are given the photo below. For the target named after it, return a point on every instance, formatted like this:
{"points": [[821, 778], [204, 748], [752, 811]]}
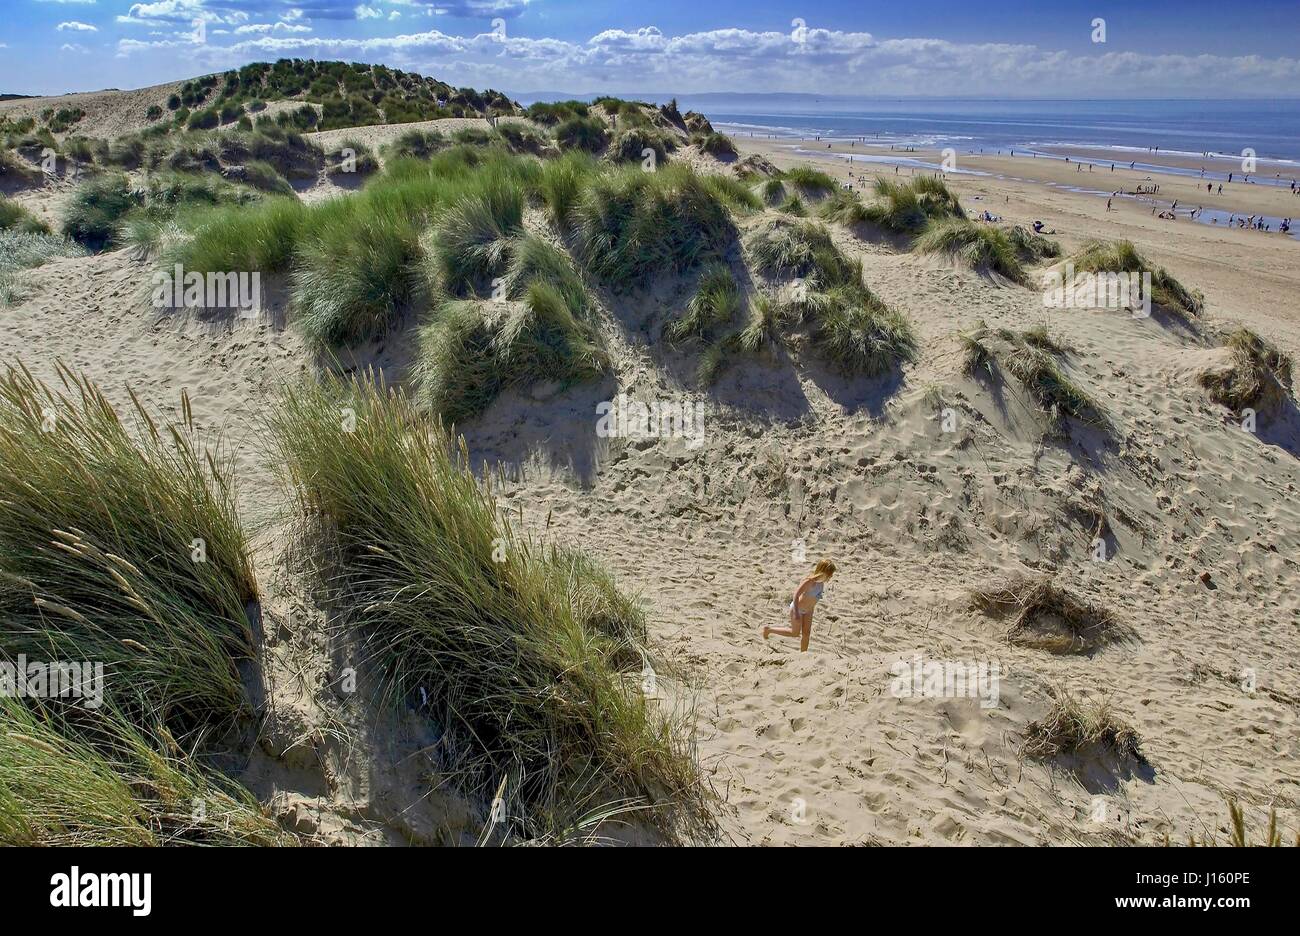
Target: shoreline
{"points": [[1246, 274], [1148, 189]]}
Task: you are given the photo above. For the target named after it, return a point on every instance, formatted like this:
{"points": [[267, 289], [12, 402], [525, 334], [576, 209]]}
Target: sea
{"points": [[1211, 138], [1130, 129]]}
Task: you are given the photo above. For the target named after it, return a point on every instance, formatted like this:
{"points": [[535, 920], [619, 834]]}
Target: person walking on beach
{"points": [[801, 609]]}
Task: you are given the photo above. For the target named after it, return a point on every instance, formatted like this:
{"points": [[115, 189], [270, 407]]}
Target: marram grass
{"points": [[120, 543], [527, 656]]}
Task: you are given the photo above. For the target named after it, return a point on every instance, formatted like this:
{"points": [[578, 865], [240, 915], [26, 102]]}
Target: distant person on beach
{"points": [[801, 609]]}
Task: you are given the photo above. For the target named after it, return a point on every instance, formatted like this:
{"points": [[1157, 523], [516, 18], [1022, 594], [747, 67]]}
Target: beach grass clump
{"points": [[356, 275], [351, 158], [1034, 363], [632, 225], [842, 206], [714, 305], [809, 181], [1054, 391], [772, 191], [163, 196], [15, 217], [524, 140], [120, 543], [1046, 616], [1032, 247], [787, 248], [1257, 375], [261, 237], [472, 350], [907, 207], [853, 328], [764, 326], [1122, 257], [96, 207], [635, 144], [473, 136], [793, 205], [857, 332], [417, 144], [979, 247], [717, 145], [264, 177], [473, 239], [553, 113], [1081, 727], [533, 259], [122, 786], [584, 133], [24, 250], [734, 193], [560, 184], [526, 656]]}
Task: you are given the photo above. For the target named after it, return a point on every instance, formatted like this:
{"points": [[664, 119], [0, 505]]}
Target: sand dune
{"points": [[1201, 522]]}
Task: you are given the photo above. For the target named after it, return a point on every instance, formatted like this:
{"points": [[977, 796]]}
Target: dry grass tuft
{"points": [[1048, 617]]}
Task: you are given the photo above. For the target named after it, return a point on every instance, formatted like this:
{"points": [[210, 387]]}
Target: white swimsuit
{"points": [[815, 592]]}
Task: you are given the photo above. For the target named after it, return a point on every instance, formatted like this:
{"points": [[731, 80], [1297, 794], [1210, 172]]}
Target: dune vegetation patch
{"points": [[717, 145], [551, 114], [1045, 616], [111, 783], [1083, 728], [14, 217], [851, 327], [1121, 257], [541, 327], [632, 225], [101, 518], [810, 182], [120, 546], [1256, 376], [979, 247], [907, 207], [636, 144], [417, 144], [527, 656], [583, 133], [1032, 247], [25, 250], [714, 305], [351, 158], [843, 206], [1034, 360]]}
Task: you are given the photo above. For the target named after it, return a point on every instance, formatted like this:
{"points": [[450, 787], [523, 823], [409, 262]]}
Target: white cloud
{"points": [[810, 60], [76, 27], [183, 11], [364, 12], [265, 28], [73, 47]]}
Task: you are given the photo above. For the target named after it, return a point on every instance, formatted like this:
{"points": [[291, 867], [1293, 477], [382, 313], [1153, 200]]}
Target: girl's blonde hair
{"points": [[823, 570]]}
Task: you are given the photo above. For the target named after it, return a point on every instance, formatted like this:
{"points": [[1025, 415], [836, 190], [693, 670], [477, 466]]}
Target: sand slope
{"points": [[813, 748]]}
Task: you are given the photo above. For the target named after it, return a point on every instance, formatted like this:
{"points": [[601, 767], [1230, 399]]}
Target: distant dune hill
{"points": [[343, 95]]}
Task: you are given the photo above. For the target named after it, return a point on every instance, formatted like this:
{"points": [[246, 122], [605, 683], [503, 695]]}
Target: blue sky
{"points": [[1152, 48]]}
